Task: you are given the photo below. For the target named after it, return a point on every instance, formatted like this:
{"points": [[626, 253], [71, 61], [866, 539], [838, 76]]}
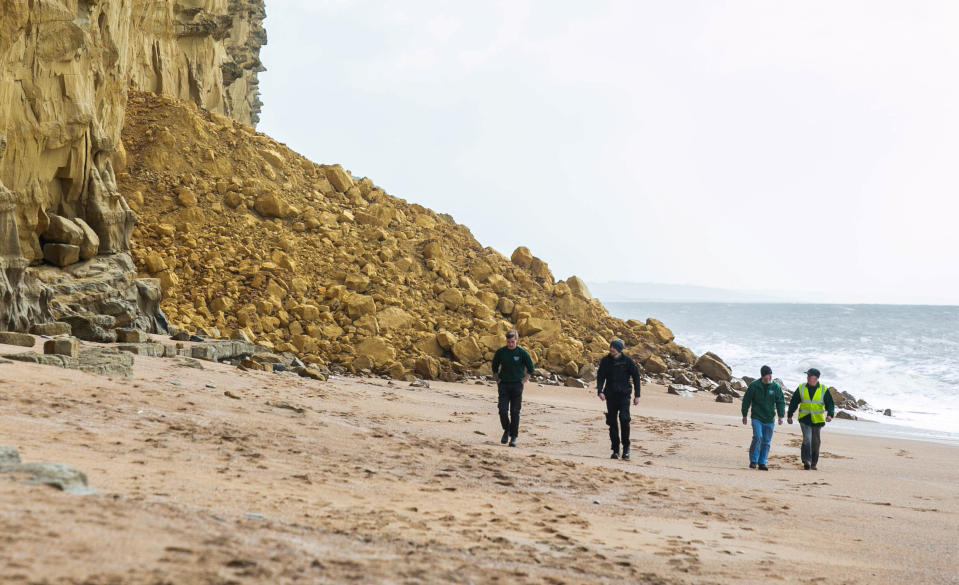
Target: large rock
{"points": [[535, 325], [578, 287], [713, 367], [393, 318], [125, 335], [51, 329], [452, 298], [270, 205], [377, 350], [340, 179], [96, 328], [522, 257], [654, 365], [358, 305], [61, 254], [63, 477], [68, 346], [681, 390], [12, 338], [61, 230], [90, 244], [468, 351], [446, 340], [661, 333], [427, 367]]}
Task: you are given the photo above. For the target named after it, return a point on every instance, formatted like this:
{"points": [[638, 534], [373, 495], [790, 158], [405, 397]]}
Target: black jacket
{"points": [[616, 374]]}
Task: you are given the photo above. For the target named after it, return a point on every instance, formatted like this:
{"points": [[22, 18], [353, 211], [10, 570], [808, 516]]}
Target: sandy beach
{"points": [[372, 481]]}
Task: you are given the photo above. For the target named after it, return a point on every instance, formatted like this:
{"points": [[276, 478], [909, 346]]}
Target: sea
{"points": [[901, 357]]}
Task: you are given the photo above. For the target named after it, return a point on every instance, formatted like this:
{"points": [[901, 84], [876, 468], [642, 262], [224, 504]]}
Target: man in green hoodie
{"points": [[512, 367], [767, 400]]}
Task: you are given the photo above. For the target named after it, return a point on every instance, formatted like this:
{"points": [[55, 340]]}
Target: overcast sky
{"points": [[744, 145]]}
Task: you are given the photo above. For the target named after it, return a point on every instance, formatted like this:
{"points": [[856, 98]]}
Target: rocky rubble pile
{"points": [[250, 240]]}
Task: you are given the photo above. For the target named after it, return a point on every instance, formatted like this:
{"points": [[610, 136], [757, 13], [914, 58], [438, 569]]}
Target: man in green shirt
{"points": [[512, 367], [766, 399]]}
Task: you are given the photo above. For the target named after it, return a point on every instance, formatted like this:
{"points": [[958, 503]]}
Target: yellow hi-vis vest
{"points": [[815, 407]]}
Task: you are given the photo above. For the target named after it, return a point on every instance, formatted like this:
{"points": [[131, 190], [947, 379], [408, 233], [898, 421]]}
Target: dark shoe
{"points": [[505, 438], [625, 454], [615, 455], [763, 467], [512, 442], [805, 466], [813, 467], [752, 466]]}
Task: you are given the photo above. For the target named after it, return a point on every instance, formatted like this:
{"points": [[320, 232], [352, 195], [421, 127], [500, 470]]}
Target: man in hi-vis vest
{"points": [[816, 408]]}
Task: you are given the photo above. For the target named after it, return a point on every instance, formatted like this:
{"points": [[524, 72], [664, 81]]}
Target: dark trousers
{"points": [[810, 443], [617, 417], [510, 401]]}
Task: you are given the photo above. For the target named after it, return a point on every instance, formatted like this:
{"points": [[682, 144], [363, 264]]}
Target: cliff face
{"points": [[65, 66]]}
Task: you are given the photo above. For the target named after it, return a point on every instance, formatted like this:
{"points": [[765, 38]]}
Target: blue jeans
{"points": [[762, 438]]}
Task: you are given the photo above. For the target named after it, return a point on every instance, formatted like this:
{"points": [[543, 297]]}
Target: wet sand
{"points": [[367, 481]]}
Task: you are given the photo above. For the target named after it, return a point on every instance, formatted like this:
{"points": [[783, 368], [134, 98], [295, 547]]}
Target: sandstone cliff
{"points": [[65, 66], [247, 236]]}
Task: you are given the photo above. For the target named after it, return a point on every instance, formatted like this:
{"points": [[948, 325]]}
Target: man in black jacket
{"points": [[616, 378]]}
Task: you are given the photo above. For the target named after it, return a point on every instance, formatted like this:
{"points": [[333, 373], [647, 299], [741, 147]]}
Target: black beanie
{"points": [[765, 371], [618, 344]]}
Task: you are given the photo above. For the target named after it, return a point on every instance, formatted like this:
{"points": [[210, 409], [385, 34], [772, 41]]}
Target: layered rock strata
{"points": [[65, 69]]}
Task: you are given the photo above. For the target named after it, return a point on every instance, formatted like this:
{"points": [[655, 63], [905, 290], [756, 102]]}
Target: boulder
{"points": [[340, 179], [681, 390], [540, 270], [358, 305], [499, 284], [132, 336], [575, 383], [654, 365], [713, 367], [887, 412], [51, 329], [68, 346], [61, 230], [90, 245], [535, 325], [845, 415], [144, 349], [578, 287], [96, 328], [61, 254], [270, 205], [446, 340], [393, 318], [377, 350], [428, 367], [726, 389], [433, 250], [452, 298], [724, 398], [660, 332], [62, 477], [13, 338], [522, 257], [468, 351]]}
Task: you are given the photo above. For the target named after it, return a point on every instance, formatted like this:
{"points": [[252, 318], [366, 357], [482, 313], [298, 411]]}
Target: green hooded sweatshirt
{"points": [[766, 400]]}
